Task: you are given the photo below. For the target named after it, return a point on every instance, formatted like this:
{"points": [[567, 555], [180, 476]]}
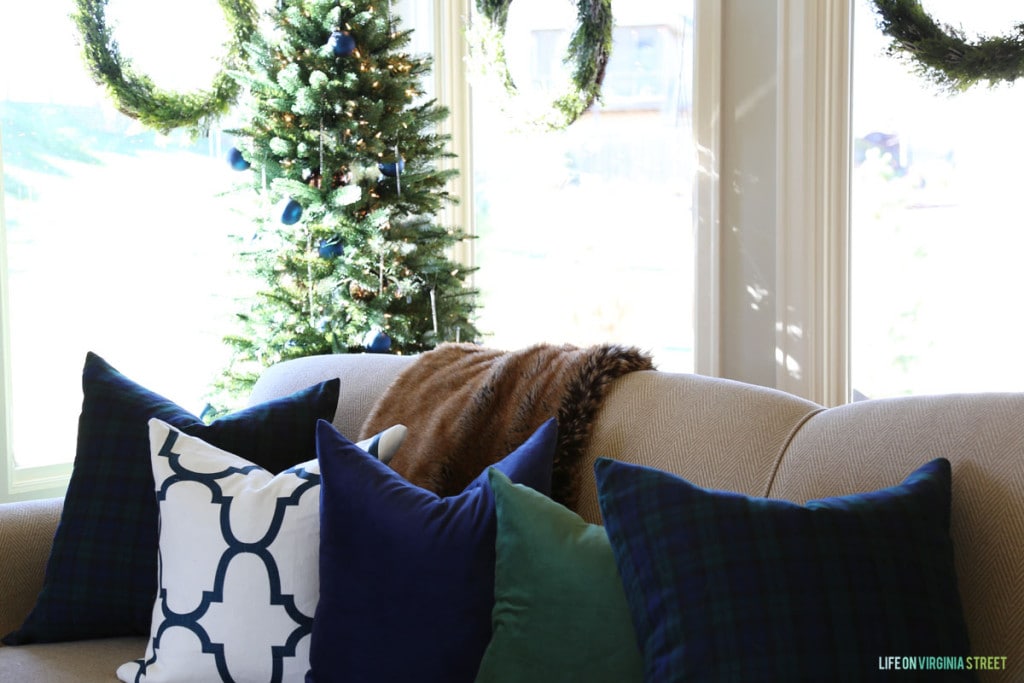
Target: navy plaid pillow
{"points": [[725, 587], [101, 576]]}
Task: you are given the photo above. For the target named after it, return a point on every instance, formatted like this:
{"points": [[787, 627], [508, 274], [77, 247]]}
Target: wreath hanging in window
{"points": [[589, 50], [136, 95], [943, 54]]}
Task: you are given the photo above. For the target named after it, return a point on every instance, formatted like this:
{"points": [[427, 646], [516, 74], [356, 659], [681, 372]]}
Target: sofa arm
{"points": [[26, 534]]}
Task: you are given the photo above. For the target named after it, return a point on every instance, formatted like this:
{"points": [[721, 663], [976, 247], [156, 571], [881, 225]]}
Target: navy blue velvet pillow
{"points": [[407, 577], [725, 587], [101, 576]]}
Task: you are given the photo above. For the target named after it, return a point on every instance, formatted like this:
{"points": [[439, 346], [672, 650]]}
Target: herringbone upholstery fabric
{"points": [[76, 661], [873, 444], [26, 533], [366, 375], [712, 432]]}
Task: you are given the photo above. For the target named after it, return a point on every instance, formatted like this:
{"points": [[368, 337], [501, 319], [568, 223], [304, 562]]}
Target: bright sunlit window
{"points": [[586, 235], [117, 237], [119, 240], [936, 234]]}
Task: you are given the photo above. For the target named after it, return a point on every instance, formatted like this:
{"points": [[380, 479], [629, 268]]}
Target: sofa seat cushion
{"points": [[81, 661]]}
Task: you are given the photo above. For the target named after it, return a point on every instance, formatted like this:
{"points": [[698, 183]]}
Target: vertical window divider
{"points": [[452, 87], [7, 466], [707, 122], [812, 219]]}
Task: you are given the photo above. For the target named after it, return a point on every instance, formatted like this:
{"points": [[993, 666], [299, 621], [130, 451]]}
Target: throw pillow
{"points": [[100, 578], [723, 586], [560, 612], [238, 580], [407, 577], [384, 444]]}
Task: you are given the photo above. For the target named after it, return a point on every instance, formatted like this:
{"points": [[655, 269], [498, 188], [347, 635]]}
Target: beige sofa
{"points": [[715, 432]]}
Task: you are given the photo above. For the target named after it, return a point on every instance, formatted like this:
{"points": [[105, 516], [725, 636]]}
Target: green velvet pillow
{"points": [[560, 611]]}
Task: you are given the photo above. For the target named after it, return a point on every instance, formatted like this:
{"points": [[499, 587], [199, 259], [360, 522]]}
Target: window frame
{"points": [[814, 149]]}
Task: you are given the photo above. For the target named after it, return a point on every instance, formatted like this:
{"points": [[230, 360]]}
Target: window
{"points": [[118, 240], [587, 234], [936, 239]]}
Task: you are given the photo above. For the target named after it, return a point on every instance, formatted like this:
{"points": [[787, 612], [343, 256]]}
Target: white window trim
{"points": [[813, 198], [707, 121], [451, 82], [805, 295]]}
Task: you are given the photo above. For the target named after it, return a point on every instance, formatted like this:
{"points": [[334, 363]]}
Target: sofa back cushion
{"points": [[871, 444], [713, 432], [366, 375]]}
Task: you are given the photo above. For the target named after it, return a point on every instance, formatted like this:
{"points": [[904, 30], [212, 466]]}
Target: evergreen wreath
{"points": [[136, 95], [943, 54], [589, 50]]}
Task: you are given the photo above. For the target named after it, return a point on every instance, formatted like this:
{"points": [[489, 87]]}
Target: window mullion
{"points": [[707, 98], [812, 220], [452, 87], [6, 454]]}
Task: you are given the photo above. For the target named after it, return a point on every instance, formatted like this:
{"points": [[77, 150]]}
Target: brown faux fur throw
{"points": [[468, 406]]}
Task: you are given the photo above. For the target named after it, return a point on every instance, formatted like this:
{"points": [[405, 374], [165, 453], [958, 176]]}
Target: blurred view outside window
{"points": [[937, 234], [117, 238], [120, 240], [586, 235]]}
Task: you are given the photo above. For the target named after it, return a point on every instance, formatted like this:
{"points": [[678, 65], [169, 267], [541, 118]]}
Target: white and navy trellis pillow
{"points": [[239, 566]]}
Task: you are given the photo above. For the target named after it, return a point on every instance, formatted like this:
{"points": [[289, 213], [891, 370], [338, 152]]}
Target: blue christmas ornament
{"points": [[291, 211], [377, 341], [236, 160], [391, 169], [341, 44], [330, 249]]}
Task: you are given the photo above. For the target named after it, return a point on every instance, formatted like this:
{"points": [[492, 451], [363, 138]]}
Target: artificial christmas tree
{"points": [[340, 143]]}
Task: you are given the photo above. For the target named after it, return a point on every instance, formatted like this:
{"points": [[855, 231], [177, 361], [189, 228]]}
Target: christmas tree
{"points": [[343, 152]]}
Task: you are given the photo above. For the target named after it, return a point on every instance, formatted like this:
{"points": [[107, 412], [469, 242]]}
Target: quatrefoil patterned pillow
{"points": [[239, 566]]}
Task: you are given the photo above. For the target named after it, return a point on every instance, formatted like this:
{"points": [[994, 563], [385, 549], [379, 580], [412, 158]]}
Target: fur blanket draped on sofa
{"points": [[468, 406]]}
